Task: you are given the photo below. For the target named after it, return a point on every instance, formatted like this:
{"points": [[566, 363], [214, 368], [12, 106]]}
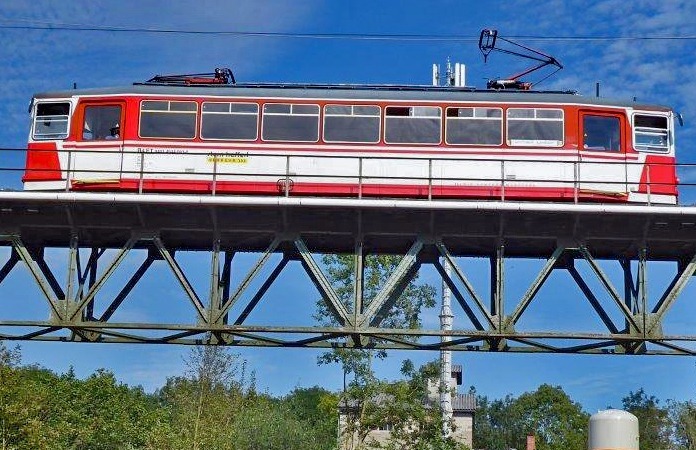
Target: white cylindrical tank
{"points": [[613, 429]]}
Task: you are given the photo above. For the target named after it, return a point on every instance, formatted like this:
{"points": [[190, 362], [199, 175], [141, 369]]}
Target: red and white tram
{"points": [[340, 140]]}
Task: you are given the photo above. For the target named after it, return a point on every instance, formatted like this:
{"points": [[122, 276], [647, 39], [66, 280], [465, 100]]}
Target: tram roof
{"points": [[349, 91]]}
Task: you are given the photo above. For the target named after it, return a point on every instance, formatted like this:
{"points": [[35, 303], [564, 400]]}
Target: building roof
{"points": [[464, 403]]}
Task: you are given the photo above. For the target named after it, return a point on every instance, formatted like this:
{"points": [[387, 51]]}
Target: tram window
{"points": [[412, 125], [650, 133], [538, 127], [474, 126], [347, 123], [51, 121], [233, 121], [290, 122], [601, 133], [168, 119], [101, 122]]}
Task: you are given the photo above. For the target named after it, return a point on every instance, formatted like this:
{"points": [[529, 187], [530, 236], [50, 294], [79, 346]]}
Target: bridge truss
{"points": [[98, 232]]}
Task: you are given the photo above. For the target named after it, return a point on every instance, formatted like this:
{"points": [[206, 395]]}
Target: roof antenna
{"points": [[487, 43]]}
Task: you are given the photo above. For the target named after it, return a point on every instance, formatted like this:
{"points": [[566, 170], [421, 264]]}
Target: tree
{"points": [[653, 421], [318, 408], [203, 404], [403, 406], [404, 314], [557, 422], [10, 426], [268, 424], [494, 426], [683, 416]]}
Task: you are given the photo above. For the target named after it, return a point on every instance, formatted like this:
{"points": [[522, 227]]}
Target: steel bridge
{"points": [[98, 231]]}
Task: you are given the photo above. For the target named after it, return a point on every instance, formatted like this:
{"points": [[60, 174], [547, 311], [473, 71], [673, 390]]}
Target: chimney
{"points": [[531, 442]]}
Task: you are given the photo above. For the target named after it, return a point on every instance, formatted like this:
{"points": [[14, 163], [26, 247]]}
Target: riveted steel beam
{"points": [[392, 284], [458, 295], [127, 288], [9, 265], [672, 292], [181, 278], [244, 285], [534, 288], [333, 301], [111, 268], [42, 282], [465, 282], [262, 290], [589, 295], [628, 314], [394, 295]]}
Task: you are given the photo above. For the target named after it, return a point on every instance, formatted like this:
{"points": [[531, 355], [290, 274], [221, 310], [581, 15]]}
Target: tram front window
{"points": [[601, 133], [101, 122]]}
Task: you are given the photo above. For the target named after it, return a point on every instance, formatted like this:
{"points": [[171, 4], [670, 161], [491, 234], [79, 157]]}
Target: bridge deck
{"points": [[333, 224]]}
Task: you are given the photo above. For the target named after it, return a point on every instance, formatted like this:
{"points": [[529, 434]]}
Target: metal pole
{"points": [[446, 319]]}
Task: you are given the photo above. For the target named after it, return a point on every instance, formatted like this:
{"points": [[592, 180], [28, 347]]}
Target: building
{"points": [[463, 409]]}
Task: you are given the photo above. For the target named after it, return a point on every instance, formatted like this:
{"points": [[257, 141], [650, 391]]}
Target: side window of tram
{"points": [[535, 127], [474, 126], [101, 122], [233, 121], [412, 125], [601, 133], [650, 133], [290, 122], [168, 119], [51, 121], [351, 123]]}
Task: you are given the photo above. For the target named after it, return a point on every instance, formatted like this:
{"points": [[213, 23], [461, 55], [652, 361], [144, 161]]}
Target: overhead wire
{"points": [[58, 26]]}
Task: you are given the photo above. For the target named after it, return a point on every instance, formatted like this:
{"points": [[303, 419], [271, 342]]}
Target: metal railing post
{"points": [[142, 173], [430, 179], [287, 176], [215, 161], [647, 167], [360, 170], [502, 180], [67, 173], [576, 182]]}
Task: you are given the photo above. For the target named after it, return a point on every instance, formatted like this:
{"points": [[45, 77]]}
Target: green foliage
{"points": [[557, 422], [405, 313], [204, 404], [318, 408], [683, 416], [214, 405], [39, 409], [654, 423], [415, 422], [271, 425]]}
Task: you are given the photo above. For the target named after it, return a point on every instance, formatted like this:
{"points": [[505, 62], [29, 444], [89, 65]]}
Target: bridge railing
{"points": [[430, 176]]}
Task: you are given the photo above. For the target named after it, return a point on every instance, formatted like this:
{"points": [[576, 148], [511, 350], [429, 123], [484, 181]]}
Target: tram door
{"points": [[99, 148], [602, 154]]}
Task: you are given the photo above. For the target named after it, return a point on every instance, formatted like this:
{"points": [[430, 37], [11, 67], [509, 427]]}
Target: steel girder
{"points": [[81, 310]]}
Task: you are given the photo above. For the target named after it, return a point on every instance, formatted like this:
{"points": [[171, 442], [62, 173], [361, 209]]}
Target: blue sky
{"points": [[658, 71]]}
